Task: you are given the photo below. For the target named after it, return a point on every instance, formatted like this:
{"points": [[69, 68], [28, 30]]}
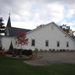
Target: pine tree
{"points": [[11, 46], [2, 27]]}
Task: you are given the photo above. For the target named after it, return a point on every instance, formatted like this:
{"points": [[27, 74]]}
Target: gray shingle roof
{"points": [[73, 37], [13, 31]]}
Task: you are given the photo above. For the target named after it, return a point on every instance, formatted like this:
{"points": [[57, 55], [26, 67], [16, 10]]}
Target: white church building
{"points": [[49, 36]]}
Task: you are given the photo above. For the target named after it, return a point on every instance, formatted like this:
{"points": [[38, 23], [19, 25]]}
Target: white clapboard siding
{"points": [[50, 32], [6, 41], [53, 35]]}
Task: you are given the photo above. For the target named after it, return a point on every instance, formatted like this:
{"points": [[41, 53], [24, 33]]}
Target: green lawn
{"points": [[14, 66]]}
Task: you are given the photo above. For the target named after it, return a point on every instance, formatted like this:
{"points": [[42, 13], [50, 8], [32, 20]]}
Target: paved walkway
{"points": [[53, 58]]}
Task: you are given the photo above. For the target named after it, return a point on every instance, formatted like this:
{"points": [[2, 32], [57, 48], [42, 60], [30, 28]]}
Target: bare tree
{"points": [[67, 30]]}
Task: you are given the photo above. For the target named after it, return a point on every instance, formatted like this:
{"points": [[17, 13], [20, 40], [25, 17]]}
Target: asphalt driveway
{"points": [[53, 58]]}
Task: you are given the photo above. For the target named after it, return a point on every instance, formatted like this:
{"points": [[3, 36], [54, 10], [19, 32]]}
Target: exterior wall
{"points": [[50, 32], [6, 41], [53, 35]]}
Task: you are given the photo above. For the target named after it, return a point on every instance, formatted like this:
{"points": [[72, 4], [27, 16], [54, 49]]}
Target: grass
{"points": [[14, 66]]}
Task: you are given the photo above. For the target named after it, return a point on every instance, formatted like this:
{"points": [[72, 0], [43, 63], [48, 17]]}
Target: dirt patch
{"points": [[17, 56]]}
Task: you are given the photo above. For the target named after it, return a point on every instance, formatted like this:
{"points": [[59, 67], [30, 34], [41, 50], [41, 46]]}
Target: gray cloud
{"points": [[36, 10], [14, 6]]}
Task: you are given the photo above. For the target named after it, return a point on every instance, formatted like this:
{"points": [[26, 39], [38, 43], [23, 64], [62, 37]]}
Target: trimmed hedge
{"points": [[27, 52], [17, 52]]}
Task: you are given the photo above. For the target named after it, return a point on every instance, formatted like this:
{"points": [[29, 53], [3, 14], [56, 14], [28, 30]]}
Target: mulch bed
{"points": [[23, 56]]}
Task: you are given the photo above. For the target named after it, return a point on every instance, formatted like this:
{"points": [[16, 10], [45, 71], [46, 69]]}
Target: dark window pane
{"points": [[67, 44], [58, 44], [33, 42], [47, 43]]}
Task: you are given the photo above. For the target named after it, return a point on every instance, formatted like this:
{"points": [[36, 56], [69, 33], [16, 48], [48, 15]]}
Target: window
{"points": [[58, 43], [47, 43], [33, 42], [67, 44]]}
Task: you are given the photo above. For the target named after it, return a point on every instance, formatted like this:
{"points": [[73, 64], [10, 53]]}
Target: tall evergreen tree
{"points": [[11, 46], [2, 27]]}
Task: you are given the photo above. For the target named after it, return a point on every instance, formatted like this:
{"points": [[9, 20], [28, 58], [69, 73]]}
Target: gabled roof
{"points": [[56, 26], [13, 31]]}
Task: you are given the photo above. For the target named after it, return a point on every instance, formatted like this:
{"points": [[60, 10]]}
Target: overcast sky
{"points": [[31, 13]]}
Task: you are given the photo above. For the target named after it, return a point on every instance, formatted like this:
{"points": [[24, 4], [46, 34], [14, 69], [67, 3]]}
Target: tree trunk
{"points": [[21, 51]]}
